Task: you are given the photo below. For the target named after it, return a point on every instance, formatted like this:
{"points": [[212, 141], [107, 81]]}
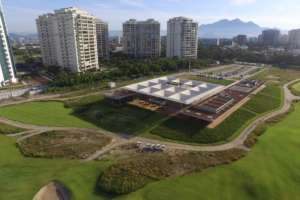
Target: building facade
{"points": [[68, 39], [241, 40], [182, 38], [294, 39], [7, 69], [270, 37], [102, 40], [141, 39]]}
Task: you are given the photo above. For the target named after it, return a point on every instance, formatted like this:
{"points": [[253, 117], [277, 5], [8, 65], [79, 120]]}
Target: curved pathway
{"points": [[117, 140]]}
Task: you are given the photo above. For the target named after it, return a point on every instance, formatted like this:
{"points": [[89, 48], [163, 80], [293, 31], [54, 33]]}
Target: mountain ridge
{"points": [[226, 28]]}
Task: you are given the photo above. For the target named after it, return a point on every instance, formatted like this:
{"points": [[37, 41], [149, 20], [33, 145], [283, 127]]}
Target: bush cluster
{"points": [[131, 174]]}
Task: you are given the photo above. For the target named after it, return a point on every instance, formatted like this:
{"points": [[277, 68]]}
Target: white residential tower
{"points": [[182, 39], [7, 69], [68, 39]]}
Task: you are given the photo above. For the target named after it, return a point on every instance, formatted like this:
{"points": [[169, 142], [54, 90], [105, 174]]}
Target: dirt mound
{"points": [[53, 191]]}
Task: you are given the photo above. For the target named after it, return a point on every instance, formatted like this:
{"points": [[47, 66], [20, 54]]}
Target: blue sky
{"points": [[21, 14]]}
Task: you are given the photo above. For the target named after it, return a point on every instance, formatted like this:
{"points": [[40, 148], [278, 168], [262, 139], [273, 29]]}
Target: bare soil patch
{"points": [[53, 191], [73, 144]]}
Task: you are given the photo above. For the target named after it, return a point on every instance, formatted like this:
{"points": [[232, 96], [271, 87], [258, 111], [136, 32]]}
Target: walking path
{"points": [[118, 140]]}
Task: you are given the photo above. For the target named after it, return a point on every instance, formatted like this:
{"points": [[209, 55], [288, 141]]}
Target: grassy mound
{"points": [[125, 119], [176, 129], [64, 144], [131, 174], [53, 114]]}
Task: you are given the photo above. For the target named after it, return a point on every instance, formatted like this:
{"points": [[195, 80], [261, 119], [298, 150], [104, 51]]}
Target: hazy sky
{"points": [[284, 14]]}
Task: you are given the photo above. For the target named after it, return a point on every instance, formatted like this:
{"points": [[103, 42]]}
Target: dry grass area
{"points": [[277, 75], [121, 152], [134, 172], [64, 144]]}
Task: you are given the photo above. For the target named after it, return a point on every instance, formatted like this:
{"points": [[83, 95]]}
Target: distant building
{"points": [[207, 42], [68, 39], [294, 39], [115, 42], [7, 69], [141, 39], [241, 40], [163, 45], [253, 40], [182, 38], [102, 39], [225, 42], [284, 39], [270, 37]]}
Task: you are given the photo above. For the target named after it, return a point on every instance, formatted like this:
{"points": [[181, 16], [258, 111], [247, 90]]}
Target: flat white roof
{"points": [[177, 90]]}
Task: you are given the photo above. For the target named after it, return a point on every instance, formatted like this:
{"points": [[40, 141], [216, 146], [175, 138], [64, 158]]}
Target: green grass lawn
{"points": [[296, 89], [266, 100], [7, 129], [125, 119], [87, 112], [176, 129], [49, 113], [192, 131], [270, 171], [21, 178], [297, 86]]}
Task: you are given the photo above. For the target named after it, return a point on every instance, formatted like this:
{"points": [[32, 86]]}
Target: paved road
{"points": [[6, 94], [117, 140]]}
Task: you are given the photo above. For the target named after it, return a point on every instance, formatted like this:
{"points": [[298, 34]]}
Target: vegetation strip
{"points": [[63, 144], [131, 174], [7, 129]]}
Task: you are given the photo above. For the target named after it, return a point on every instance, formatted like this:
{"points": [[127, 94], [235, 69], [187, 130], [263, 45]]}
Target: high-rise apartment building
{"points": [[68, 39], [294, 39], [270, 37], [182, 38], [7, 69], [102, 39], [141, 39]]}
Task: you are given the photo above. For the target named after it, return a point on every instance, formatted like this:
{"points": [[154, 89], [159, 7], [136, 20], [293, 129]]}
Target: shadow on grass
{"points": [[125, 120]]}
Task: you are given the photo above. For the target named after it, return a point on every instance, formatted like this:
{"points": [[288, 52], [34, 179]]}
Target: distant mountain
{"points": [[229, 28]]}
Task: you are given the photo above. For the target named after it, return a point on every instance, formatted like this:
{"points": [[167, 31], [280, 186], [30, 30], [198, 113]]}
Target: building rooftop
{"points": [[177, 90]]}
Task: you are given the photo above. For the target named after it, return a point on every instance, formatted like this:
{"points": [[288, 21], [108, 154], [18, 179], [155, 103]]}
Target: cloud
{"points": [[242, 2]]}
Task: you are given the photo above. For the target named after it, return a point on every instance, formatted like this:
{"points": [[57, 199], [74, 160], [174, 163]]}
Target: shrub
{"points": [[131, 174]]}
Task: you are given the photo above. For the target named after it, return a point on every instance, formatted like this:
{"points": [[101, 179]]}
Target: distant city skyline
{"points": [[21, 14]]}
